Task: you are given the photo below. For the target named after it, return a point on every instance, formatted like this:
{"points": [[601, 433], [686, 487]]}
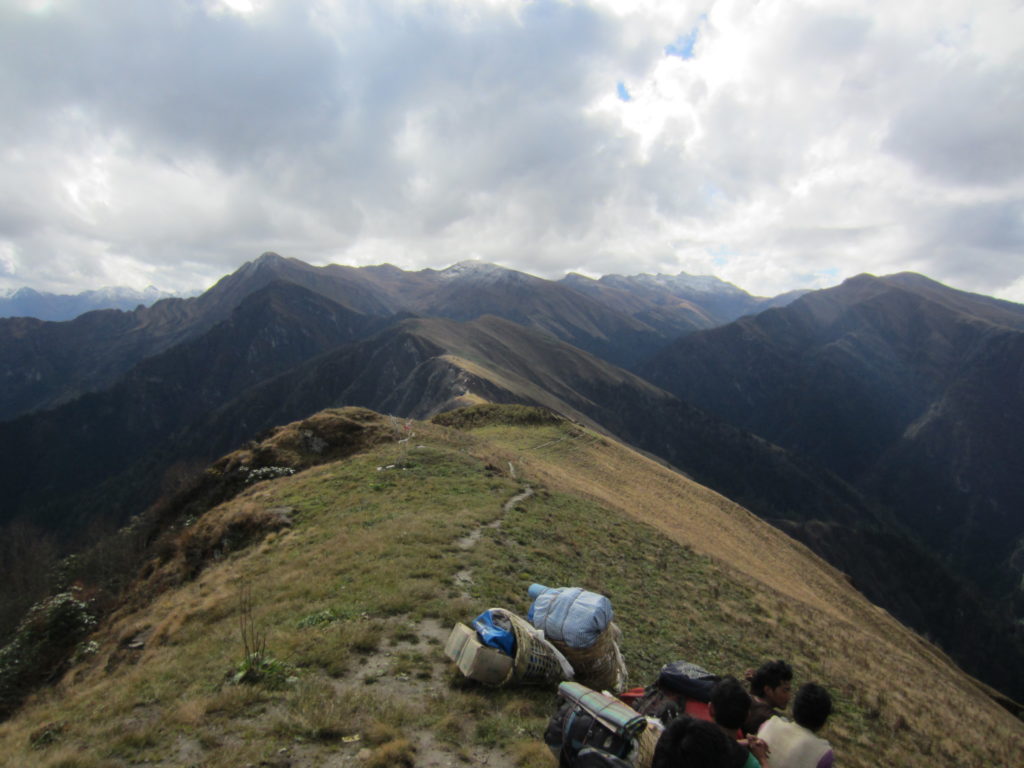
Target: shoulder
{"points": [[774, 723]]}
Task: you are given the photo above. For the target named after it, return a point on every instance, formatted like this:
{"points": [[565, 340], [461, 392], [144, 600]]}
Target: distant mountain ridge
{"points": [[43, 365], [26, 302], [676, 304]]}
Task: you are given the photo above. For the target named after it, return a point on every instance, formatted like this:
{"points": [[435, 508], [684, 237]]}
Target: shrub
{"points": [[41, 647]]}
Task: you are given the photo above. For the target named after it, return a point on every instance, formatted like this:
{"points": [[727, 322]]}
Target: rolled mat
{"points": [[616, 716]]}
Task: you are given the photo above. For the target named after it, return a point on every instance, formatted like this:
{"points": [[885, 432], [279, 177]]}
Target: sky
{"points": [[777, 144]]}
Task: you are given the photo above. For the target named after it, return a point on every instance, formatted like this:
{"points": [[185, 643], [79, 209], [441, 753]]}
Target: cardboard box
{"points": [[457, 641], [474, 659]]}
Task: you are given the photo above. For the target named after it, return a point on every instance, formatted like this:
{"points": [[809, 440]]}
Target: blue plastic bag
{"points": [[570, 615], [495, 632]]}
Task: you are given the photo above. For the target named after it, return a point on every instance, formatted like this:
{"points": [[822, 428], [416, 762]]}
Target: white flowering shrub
{"points": [[43, 643], [267, 473]]}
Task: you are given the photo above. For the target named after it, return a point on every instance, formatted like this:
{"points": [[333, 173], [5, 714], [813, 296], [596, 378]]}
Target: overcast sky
{"points": [[777, 144]]}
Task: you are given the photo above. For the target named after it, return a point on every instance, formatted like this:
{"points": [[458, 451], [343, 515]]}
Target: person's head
{"points": [[730, 703], [812, 706], [689, 743], [772, 682]]}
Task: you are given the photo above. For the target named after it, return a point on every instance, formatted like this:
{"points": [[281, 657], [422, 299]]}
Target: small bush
{"points": [[259, 668], [316, 712], [267, 473], [318, 619]]}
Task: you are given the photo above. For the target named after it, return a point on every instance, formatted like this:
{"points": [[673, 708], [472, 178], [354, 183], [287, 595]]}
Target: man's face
{"points": [[778, 696]]}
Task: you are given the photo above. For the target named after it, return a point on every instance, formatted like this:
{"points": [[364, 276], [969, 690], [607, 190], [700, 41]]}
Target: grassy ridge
{"points": [[390, 547]]}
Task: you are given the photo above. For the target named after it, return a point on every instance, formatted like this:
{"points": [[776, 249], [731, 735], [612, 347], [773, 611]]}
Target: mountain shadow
{"points": [[56, 466], [909, 390]]}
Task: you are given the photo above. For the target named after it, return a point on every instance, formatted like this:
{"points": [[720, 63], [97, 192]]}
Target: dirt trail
{"points": [[464, 578], [431, 682]]}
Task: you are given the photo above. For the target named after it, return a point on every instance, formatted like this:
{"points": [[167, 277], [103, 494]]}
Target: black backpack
{"points": [[688, 680], [572, 730], [654, 703], [677, 682]]}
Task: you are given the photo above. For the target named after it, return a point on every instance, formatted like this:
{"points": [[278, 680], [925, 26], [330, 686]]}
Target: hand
{"points": [[758, 748]]}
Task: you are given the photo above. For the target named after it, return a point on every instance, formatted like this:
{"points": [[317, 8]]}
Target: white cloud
{"points": [[799, 144]]}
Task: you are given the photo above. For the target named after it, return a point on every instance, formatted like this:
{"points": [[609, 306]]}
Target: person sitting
{"points": [[796, 744], [728, 708], [770, 688], [690, 743]]}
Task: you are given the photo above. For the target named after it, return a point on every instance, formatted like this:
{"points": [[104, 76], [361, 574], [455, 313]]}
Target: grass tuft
{"points": [[399, 753]]}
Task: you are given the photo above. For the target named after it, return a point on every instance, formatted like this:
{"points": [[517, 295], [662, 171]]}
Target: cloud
{"points": [[964, 126], [776, 145]]}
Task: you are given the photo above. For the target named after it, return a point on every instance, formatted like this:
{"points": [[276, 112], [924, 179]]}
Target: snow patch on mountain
{"points": [[471, 269], [694, 283]]}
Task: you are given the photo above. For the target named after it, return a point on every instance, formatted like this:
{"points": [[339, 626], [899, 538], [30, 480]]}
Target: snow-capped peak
{"points": [[470, 269], [694, 283]]}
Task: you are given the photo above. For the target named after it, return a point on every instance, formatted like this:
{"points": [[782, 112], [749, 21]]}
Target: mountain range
{"points": [[877, 422], [26, 302]]}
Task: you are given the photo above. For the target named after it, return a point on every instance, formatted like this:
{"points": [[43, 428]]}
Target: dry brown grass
{"points": [[917, 695]]}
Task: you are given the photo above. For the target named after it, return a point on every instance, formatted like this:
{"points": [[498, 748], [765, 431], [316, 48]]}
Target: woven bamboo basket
{"points": [[599, 666], [643, 745], [535, 661]]}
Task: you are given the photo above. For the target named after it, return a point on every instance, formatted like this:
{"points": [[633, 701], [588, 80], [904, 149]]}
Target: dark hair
{"points": [[812, 706], [689, 743], [731, 703], [771, 674]]}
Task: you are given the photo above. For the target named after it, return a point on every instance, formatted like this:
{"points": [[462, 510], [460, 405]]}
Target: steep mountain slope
{"points": [[912, 391], [374, 565], [55, 466], [881, 379], [44, 365]]}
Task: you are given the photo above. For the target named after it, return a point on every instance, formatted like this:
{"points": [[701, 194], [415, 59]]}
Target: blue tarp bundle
{"points": [[496, 632], [570, 615]]}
